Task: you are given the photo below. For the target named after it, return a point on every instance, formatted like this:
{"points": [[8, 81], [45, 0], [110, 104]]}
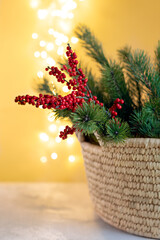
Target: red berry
{"points": [[121, 101], [118, 106], [94, 97], [117, 100], [114, 113]]}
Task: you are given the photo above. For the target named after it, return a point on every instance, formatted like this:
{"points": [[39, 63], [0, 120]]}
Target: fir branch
{"points": [[61, 113], [144, 124], [44, 86], [88, 118], [113, 83], [92, 46], [116, 131], [113, 80], [138, 68], [157, 58]]}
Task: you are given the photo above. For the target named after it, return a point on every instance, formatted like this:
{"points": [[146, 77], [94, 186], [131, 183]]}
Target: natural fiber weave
{"points": [[124, 183]]}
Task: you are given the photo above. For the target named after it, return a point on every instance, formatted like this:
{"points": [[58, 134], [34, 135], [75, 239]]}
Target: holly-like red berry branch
{"points": [[80, 92]]}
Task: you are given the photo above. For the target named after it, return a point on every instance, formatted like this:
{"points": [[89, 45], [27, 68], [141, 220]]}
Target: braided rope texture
{"points": [[124, 184]]}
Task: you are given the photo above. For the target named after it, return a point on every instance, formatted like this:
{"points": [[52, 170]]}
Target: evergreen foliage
{"points": [[45, 87], [132, 78], [92, 46], [157, 58], [117, 131], [88, 118]]}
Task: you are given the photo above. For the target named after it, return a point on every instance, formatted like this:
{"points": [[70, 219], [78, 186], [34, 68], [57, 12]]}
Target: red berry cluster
{"points": [[78, 81], [67, 130], [48, 101], [79, 91], [57, 73], [115, 106]]}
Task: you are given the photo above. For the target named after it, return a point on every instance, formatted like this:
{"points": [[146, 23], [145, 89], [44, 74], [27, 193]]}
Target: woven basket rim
{"points": [[137, 140]]}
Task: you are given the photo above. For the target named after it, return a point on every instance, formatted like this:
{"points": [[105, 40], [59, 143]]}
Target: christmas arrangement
{"points": [[123, 105], [124, 102], [85, 111]]}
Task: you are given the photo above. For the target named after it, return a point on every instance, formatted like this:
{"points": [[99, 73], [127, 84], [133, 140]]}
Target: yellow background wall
{"points": [[115, 23]]}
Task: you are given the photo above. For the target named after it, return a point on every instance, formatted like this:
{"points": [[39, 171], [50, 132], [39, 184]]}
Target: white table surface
{"points": [[52, 211]]}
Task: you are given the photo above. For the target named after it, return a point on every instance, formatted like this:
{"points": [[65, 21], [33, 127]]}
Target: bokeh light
{"points": [[51, 45], [51, 117], [44, 137], [40, 74], [74, 40], [44, 54], [42, 43], [43, 159], [58, 139], [34, 35], [37, 54], [52, 128], [34, 3], [54, 155], [42, 13], [70, 140], [71, 158]]}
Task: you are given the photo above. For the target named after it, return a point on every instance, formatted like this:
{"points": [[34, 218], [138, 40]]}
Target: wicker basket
{"points": [[124, 184]]}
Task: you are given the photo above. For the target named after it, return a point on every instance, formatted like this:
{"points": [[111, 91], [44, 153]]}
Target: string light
{"points": [[70, 140], [65, 26], [65, 89], [60, 50], [50, 61], [58, 139], [51, 117], [37, 54], [44, 137], [50, 46], [74, 40], [42, 43], [62, 21], [61, 128], [52, 128], [58, 42], [43, 159], [34, 35], [70, 15], [34, 3], [44, 54], [71, 158], [69, 5], [40, 74], [56, 34], [62, 1], [51, 31], [54, 155], [42, 13], [65, 39]]}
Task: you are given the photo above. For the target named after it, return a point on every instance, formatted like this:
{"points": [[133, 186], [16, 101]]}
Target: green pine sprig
{"points": [[117, 131], [44, 86], [144, 123], [157, 58], [88, 118], [91, 44]]}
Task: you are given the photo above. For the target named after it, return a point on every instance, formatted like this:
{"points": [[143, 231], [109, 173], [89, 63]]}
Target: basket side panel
{"points": [[124, 183]]}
